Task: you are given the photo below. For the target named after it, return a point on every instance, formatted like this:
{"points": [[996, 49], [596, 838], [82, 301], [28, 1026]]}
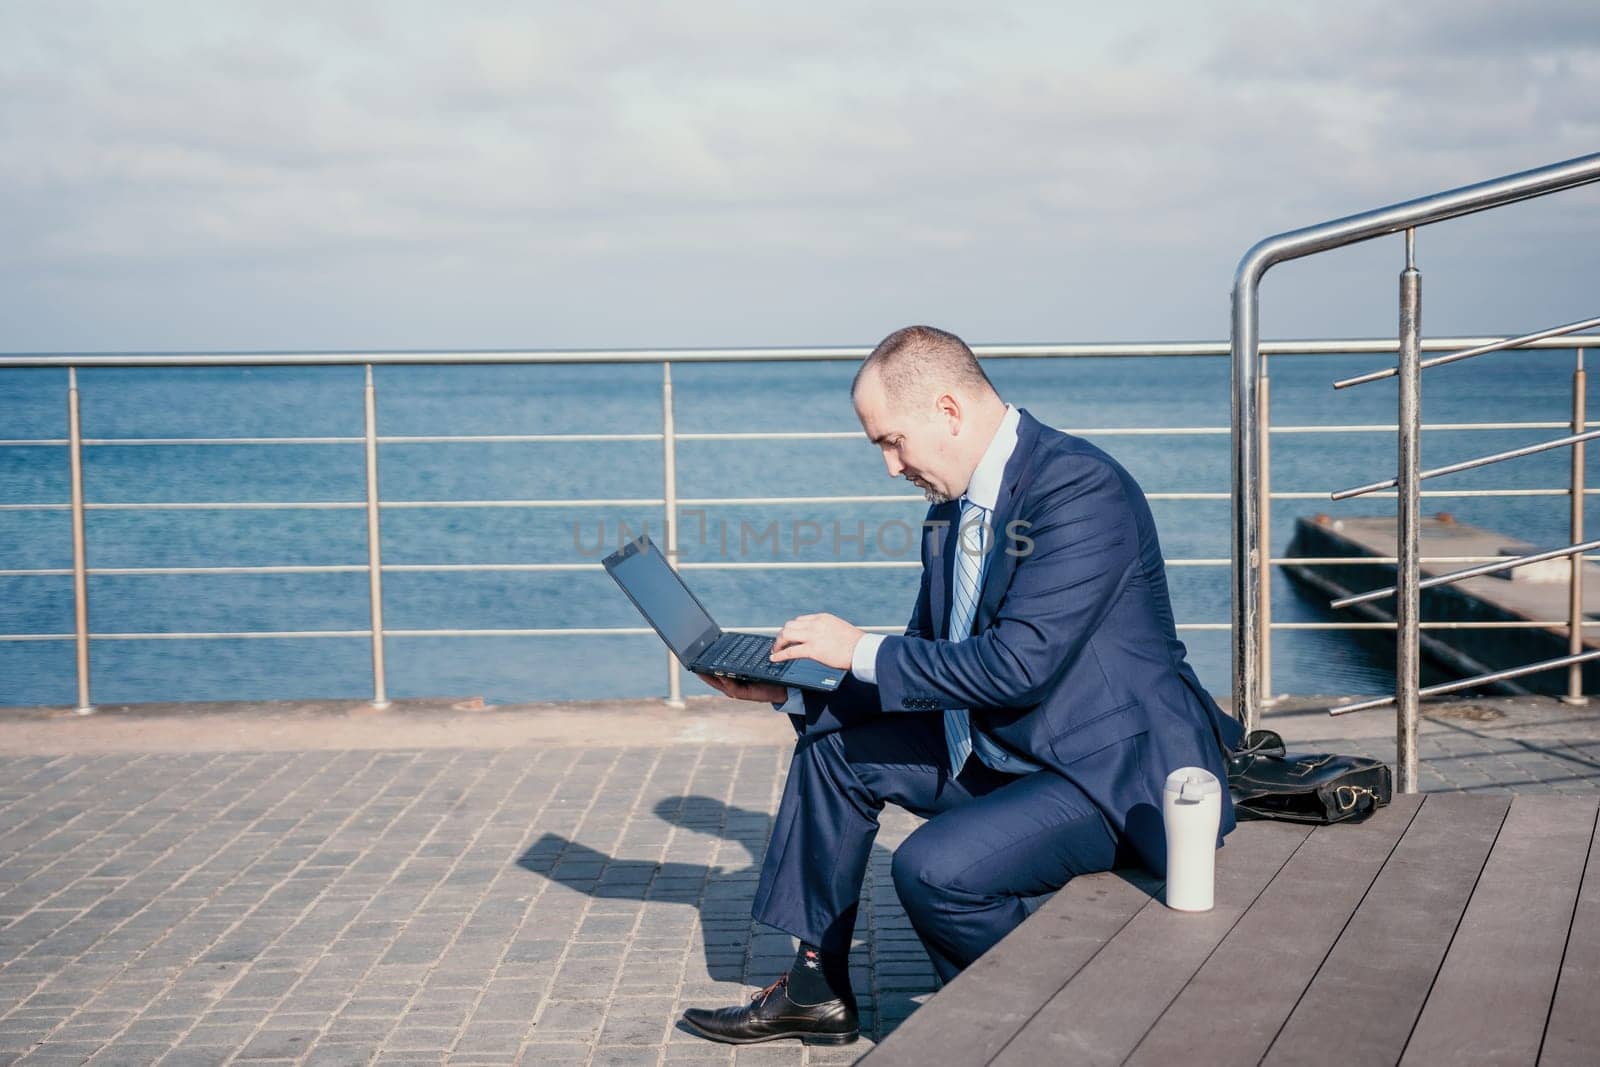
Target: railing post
{"points": [[1407, 674], [380, 687], [1264, 520], [1575, 575], [1245, 530], [669, 453], [80, 564]]}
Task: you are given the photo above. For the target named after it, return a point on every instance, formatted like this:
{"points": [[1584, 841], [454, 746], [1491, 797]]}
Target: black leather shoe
{"points": [[771, 1016]]}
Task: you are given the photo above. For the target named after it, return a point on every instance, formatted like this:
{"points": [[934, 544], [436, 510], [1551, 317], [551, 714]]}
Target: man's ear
{"points": [[949, 408]]}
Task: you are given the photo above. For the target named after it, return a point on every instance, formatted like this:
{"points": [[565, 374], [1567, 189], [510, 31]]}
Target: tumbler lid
{"points": [[1193, 784]]}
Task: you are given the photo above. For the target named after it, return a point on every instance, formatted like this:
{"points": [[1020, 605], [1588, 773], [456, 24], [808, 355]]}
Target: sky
{"points": [[231, 175]]}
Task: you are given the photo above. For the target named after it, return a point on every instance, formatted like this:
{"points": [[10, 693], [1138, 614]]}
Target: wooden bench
{"points": [[1447, 929]]}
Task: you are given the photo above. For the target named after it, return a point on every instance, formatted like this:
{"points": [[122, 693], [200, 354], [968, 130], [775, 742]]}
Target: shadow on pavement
{"points": [[723, 896]]}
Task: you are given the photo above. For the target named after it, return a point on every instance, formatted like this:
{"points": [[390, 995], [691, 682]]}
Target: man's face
{"points": [[916, 444]]}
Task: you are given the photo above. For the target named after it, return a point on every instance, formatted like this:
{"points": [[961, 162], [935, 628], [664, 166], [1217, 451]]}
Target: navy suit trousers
{"points": [[991, 839]]}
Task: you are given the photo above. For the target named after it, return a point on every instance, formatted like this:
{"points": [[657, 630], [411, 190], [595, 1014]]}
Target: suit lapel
{"points": [[941, 571], [1000, 564]]}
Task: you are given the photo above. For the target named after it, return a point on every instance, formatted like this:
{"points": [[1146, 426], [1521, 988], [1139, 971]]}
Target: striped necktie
{"points": [[974, 543]]}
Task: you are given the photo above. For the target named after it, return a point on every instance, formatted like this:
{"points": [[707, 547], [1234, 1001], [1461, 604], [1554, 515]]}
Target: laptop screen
{"points": [[661, 597]]}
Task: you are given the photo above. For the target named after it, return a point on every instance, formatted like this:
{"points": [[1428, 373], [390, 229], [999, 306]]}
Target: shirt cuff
{"points": [[864, 661], [794, 705]]}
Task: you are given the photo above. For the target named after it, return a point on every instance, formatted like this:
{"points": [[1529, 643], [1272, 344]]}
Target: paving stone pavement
{"points": [[540, 903], [557, 905]]}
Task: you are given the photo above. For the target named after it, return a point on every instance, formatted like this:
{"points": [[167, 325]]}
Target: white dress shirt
{"points": [[984, 490]]}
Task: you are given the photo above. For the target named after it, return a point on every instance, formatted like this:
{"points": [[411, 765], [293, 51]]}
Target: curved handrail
{"points": [[1246, 370]]}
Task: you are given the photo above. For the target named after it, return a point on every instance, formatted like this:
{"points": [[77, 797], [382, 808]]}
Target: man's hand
{"points": [[773, 694], [827, 639]]}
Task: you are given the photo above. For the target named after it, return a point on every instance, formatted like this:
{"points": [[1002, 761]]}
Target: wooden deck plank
{"points": [[1362, 1004], [1573, 1033], [1104, 1010], [973, 1017], [1234, 1006], [1492, 995]]}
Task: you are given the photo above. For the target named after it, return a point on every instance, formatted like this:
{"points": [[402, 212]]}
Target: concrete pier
{"points": [[1536, 592]]}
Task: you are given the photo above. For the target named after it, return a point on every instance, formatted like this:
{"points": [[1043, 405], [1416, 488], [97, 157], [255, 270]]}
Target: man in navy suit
{"points": [[1032, 711]]}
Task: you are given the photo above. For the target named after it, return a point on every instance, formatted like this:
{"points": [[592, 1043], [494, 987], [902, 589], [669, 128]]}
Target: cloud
{"points": [[736, 172]]}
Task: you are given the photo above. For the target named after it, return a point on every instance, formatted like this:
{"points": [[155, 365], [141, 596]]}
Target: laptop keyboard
{"points": [[747, 654]]}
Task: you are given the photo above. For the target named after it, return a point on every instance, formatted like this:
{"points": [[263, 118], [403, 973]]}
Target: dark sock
{"points": [[816, 977]]}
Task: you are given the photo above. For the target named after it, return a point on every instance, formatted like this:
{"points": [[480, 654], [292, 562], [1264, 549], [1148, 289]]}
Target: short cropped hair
{"points": [[919, 360]]}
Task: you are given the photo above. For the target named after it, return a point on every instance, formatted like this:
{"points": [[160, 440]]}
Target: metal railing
{"points": [[375, 506], [1249, 388]]}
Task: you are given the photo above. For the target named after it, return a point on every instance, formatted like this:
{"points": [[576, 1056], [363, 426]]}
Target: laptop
{"points": [[694, 637]]}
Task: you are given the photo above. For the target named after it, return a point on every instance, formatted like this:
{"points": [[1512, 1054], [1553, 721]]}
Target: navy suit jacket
{"points": [[1074, 660]]}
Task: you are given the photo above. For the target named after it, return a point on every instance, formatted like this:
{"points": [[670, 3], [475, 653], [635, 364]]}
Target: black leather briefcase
{"points": [[1269, 783]]}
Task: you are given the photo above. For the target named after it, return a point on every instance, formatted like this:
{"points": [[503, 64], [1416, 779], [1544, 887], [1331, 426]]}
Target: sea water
{"points": [[1081, 395]]}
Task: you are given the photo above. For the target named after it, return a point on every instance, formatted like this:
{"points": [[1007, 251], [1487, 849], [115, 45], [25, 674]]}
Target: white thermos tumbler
{"points": [[1191, 806]]}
